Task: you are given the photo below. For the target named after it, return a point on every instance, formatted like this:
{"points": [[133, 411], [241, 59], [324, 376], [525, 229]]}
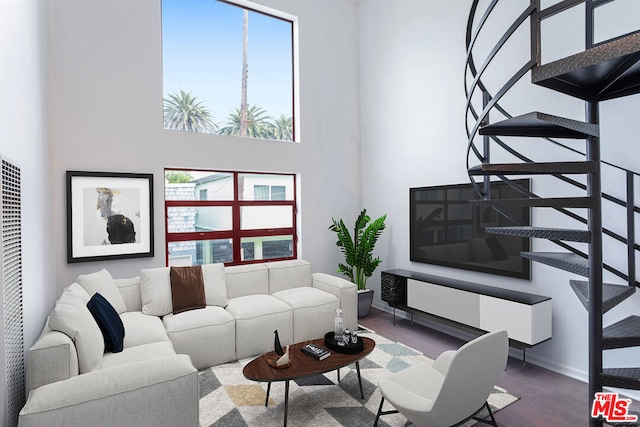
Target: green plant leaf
{"points": [[358, 249]]}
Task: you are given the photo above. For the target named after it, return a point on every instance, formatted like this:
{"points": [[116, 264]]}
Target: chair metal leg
{"points": [[359, 380], [381, 412], [286, 402], [491, 421], [375, 423], [487, 420], [484, 420], [266, 401]]}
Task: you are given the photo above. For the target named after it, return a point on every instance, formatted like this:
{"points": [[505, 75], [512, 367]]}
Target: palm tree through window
{"points": [[229, 68]]}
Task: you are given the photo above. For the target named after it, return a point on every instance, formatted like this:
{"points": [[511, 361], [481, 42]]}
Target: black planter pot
{"points": [[365, 298]]}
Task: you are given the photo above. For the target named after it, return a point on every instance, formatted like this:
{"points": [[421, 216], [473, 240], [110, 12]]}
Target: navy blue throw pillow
{"points": [[109, 322]]}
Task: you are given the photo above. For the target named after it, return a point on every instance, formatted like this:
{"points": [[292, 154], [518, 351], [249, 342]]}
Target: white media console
{"points": [[525, 317]]}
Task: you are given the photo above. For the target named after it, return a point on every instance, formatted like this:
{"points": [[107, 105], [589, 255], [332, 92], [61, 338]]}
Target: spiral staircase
{"points": [[603, 71]]}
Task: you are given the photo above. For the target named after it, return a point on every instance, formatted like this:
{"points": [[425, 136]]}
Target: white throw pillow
{"points": [[215, 284], [103, 283], [78, 291], [72, 317], [155, 291]]}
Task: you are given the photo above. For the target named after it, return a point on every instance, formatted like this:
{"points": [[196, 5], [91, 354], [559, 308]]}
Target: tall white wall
{"points": [[105, 91], [23, 141], [412, 59]]}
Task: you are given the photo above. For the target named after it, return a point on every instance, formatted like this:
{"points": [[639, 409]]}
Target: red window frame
{"points": [[236, 234]]}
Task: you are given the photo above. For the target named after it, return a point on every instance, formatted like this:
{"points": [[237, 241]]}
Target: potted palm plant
{"points": [[359, 263]]}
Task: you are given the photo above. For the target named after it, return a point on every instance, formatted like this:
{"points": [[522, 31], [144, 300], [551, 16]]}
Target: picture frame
{"points": [[109, 216]]}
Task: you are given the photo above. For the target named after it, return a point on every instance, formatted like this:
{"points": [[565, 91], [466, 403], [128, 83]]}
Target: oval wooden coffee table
{"points": [[303, 365]]}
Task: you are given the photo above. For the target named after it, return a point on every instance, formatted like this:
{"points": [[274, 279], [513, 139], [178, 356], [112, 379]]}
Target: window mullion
{"points": [[294, 213], [236, 239], [198, 235]]}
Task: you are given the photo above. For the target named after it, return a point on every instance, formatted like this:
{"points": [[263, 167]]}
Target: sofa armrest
{"points": [[52, 358], [161, 391], [345, 290]]}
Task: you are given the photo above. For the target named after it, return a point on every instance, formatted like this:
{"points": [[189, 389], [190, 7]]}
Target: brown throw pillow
{"points": [[187, 288]]}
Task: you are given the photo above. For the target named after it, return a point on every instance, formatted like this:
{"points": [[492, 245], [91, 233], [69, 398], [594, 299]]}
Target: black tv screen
{"points": [[445, 229]]}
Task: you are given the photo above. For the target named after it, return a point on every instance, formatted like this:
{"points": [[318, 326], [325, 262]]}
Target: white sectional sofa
{"points": [[71, 380]]}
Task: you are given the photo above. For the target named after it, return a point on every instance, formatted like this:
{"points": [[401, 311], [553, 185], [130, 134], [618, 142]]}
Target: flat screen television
{"points": [[445, 229]]}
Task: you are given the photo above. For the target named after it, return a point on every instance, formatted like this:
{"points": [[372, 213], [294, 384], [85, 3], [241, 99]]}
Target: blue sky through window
{"points": [[202, 54]]}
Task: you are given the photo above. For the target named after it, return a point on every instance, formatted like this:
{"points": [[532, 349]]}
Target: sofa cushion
{"points": [[215, 284], [78, 291], [288, 274], [130, 291], [313, 311], [72, 317], [257, 317], [138, 353], [187, 288], [155, 291], [103, 283], [142, 329], [207, 335], [108, 321], [245, 280], [307, 297], [155, 288]]}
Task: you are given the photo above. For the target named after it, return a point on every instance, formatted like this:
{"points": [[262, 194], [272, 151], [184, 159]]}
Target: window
{"points": [[277, 192], [266, 192], [230, 67], [261, 192], [229, 217]]}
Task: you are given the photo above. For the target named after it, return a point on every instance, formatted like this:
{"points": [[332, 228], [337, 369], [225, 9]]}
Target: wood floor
{"points": [[547, 399]]}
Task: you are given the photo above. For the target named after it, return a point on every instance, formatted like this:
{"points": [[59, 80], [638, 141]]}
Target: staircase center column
{"points": [[595, 260]]}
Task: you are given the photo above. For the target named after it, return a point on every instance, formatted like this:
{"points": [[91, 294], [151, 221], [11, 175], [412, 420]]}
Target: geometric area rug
{"points": [[228, 399]]}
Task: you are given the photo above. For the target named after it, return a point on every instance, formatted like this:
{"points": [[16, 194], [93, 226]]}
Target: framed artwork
{"points": [[109, 216]]}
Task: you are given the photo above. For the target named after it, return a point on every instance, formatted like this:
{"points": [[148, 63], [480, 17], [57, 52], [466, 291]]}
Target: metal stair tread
{"points": [[593, 74], [612, 294], [559, 202], [533, 168], [563, 260], [628, 378], [625, 333], [541, 125], [564, 234]]}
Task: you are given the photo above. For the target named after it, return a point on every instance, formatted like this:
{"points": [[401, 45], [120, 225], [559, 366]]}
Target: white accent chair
{"points": [[452, 389]]}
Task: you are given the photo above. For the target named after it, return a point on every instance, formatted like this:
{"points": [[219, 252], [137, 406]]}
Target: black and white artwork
{"points": [[109, 216]]}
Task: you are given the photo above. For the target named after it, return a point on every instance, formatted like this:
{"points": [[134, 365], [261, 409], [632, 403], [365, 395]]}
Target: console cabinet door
{"points": [[453, 304], [529, 324]]}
